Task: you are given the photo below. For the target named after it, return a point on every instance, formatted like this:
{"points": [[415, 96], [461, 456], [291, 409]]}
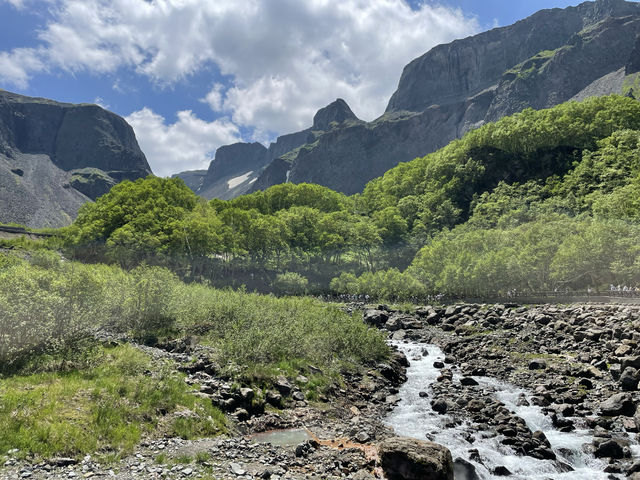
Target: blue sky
{"points": [[191, 76]]}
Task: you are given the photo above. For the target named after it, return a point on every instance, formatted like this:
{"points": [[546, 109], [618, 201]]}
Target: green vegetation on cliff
{"points": [[486, 199]]}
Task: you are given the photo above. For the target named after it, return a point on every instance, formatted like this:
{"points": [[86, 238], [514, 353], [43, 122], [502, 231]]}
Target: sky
{"points": [[193, 75]]}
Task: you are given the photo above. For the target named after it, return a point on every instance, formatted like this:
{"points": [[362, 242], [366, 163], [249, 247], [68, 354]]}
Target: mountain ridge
{"points": [[56, 156], [553, 56]]}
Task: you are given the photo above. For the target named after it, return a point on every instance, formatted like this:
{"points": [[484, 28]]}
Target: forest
{"points": [[537, 201]]}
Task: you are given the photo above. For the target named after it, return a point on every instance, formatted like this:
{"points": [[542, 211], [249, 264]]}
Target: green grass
{"points": [[106, 408]]}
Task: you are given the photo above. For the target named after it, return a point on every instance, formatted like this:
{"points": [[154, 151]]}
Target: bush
{"points": [[290, 283]]}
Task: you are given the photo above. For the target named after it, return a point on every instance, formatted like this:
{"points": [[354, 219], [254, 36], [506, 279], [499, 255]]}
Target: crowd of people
{"points": [[624, 291], [614, 290]]}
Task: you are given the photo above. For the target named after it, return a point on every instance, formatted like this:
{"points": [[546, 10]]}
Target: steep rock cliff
{"points": [[56, 156]]}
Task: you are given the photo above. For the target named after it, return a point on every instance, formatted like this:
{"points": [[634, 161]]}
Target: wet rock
{"points": [[608, 448], [501, 471], [464, 470], [411, 459], [468, 381], [440, 405]]}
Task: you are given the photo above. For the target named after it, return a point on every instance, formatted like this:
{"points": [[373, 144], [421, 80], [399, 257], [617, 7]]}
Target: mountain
{"points": [[55, 156], [241, 167], [548, 58]]}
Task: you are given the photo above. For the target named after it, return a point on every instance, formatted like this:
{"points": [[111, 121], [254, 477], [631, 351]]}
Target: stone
{"points": [[412, 459], [629, 379], [464, 470], [363, 437], [609, 449], [237, 469], [618, 404], [537, 364], [468, 381], [282, 385], [501, 471], [630, 361], [440, 405]]}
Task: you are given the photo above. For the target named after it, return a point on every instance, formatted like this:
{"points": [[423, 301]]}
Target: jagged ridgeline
{"points": [[548, 58], [576, 164]]}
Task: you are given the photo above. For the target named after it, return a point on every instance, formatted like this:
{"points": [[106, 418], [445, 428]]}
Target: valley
{"points": [[449, 291]]}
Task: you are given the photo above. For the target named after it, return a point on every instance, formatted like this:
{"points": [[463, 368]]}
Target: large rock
{"points": [[56, 156], [411, 459], [618, 404]]}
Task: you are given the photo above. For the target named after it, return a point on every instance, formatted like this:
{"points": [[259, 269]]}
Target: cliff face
{"points": [[459, 70], [56, 156], [243, 167], [549, 58]]}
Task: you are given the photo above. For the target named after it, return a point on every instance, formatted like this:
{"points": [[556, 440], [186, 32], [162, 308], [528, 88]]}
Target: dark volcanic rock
{"points": [[66, 153], [411, 459]]}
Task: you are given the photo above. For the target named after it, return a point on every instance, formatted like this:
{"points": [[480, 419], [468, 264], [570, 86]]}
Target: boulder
{"points": [[412, 459], [629, 379], [618, 404], [609, 449], [375, 318], [537, 364]]}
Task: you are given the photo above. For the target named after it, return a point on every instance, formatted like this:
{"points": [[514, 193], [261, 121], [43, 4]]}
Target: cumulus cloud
{"points": [[187, 144], [281, 60], [17, 66], [285, 58]]}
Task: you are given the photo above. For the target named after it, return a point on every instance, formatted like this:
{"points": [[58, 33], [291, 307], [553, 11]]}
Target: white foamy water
{"points": [[414, 417]]}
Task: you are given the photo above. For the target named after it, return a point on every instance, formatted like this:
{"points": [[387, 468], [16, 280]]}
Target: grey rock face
{"points": [[192, 178], [337, 112], [233, 170], [266, 166], [68, 154], [551, 57]]}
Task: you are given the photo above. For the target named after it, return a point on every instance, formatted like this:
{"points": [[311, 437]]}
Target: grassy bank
{"points": [[103, 403], [61, 392]]}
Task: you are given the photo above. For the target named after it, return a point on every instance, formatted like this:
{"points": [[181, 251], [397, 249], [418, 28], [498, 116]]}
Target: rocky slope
{"points": [[549, 58], [56, 156], [243, 167], [580, 364]]}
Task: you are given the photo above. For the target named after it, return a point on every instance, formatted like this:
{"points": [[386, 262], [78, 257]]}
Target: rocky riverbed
{"points": [[576, 366]]}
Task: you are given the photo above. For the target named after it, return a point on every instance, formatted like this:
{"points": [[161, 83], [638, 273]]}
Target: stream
{"points": [[414, 417]]}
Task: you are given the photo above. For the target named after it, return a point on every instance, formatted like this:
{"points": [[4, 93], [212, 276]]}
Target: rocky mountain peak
{"points": [[337, 111]]}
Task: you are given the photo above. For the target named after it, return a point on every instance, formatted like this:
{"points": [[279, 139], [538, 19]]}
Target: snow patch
{"points": [[235, 181]]}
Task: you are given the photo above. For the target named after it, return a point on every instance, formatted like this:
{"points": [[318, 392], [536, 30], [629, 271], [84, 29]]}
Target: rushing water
{"points": [[414, 417]]}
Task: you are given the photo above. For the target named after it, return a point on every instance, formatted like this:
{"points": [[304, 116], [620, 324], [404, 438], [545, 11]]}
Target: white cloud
{"points": [[215, 97], [187, 144], [282, 59], [285, 58], [17, 66]]}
